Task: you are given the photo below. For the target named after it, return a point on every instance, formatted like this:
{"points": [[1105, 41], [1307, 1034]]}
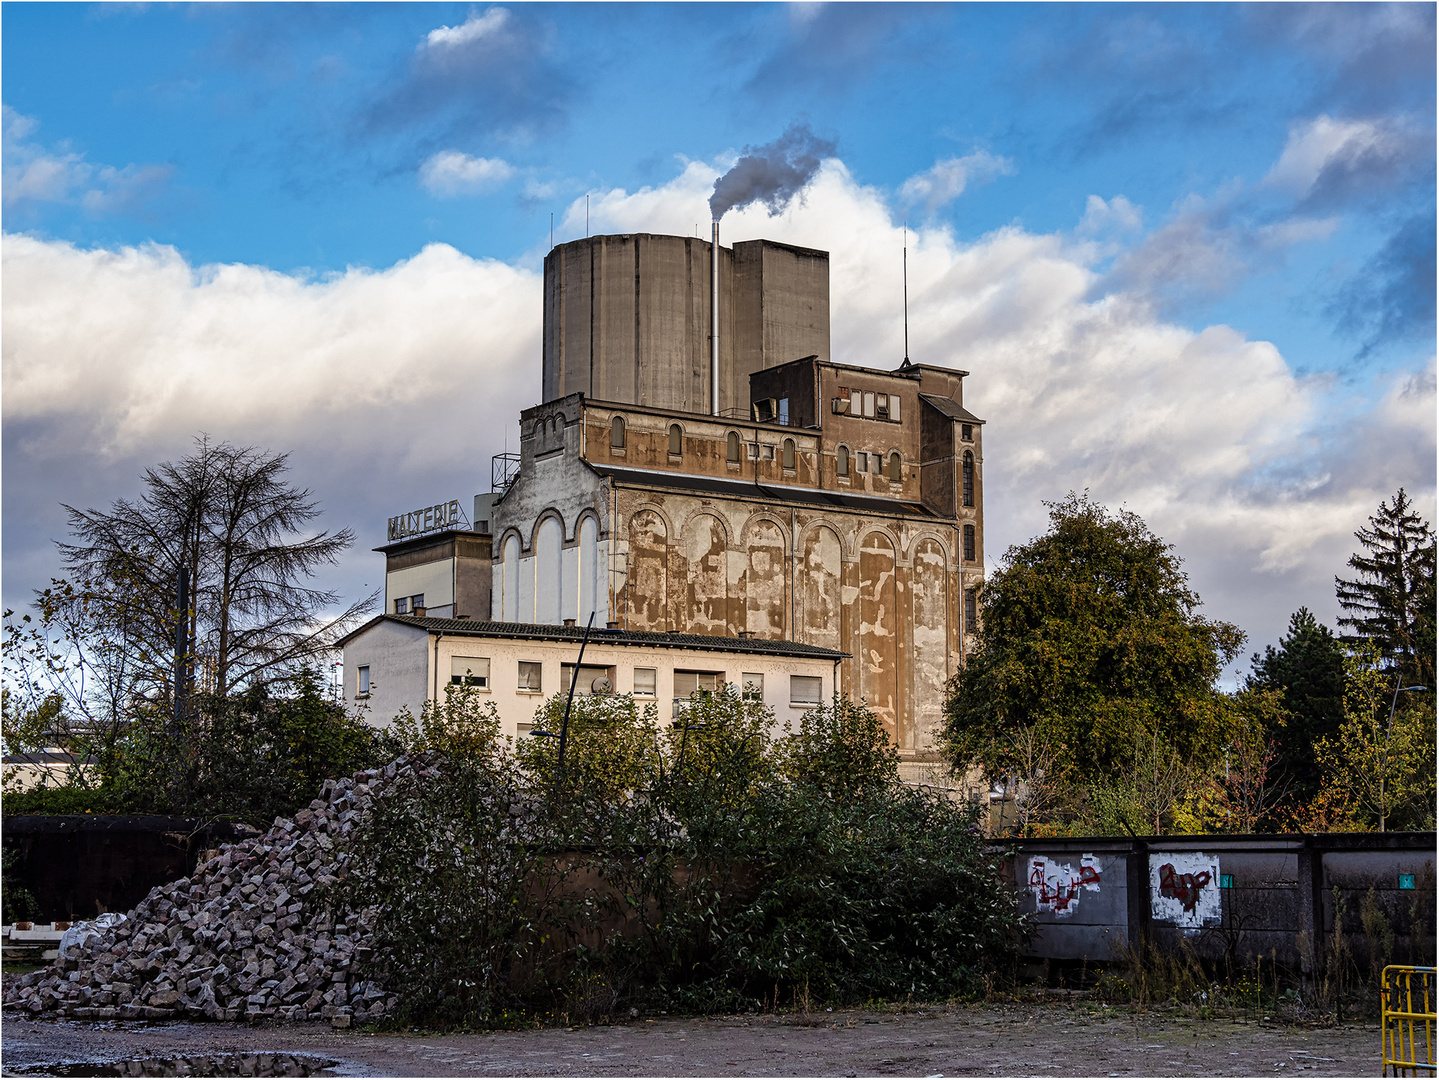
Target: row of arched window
{"points": [[845, 459]]}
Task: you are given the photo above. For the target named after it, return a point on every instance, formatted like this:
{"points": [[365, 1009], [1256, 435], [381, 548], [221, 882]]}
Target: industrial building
{"points": [[701, 467]]}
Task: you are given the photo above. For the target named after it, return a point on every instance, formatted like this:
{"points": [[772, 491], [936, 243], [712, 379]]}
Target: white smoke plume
{"points": [[771, 174]]}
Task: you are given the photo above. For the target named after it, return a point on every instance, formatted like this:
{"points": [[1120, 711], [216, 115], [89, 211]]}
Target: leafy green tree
{"points": [[1379, 767], [1391, 601], [1091, 640], [1307, 670], [841, 750]]}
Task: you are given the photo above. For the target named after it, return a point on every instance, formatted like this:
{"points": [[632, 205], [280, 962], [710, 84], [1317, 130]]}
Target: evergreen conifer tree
{"points": [[1391, 602]]}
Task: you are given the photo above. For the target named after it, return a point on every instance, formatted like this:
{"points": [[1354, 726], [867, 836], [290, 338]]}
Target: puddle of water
{"points": [[205, 1065]]}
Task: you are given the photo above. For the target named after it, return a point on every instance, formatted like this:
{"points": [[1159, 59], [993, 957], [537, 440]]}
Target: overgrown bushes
{"points": [[696, 866]]}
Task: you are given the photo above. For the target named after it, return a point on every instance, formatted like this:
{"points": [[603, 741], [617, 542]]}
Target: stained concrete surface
{"points": [[1080, 1039]]}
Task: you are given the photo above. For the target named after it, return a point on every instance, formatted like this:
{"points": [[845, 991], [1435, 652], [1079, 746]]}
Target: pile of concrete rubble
{"points": [[252, 935]]}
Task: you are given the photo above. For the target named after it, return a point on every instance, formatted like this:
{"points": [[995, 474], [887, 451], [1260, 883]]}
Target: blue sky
{"points": [[1249, 188]]}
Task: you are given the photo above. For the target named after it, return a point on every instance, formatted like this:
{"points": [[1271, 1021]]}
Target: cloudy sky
{"points": [[1186, 252]]}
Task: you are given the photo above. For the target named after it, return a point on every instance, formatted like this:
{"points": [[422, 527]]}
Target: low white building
{"points": [[402, 661]]}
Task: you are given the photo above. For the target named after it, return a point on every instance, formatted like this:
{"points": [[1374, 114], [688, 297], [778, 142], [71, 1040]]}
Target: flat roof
{"points": [[603, 636], [423, 538]]}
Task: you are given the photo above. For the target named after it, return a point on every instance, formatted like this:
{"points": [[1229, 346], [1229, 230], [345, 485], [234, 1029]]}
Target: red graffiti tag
{"points": [[1183, 887], [1061, 895]]}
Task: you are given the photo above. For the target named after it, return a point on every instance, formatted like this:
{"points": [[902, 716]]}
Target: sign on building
{"points": [[417, 522]]}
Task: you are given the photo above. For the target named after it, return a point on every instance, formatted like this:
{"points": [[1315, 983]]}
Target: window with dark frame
{"points": [[968, 478], [966, 432], [969, 543], [617, 433], [969, 610]]}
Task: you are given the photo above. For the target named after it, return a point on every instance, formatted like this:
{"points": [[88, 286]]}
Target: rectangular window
{"points": [[894, 407], [969, 543], [592, 680], [402, 606], [804, 690], [692, 682], [966, 432], [753, 686], [784, 410], [861, 462], [470, 671], [769, 453], [869, 403], [856, 403], [644, 682], [530, 682], [417, 601], [754, 451], [881, 406], [969, 611], [363, 682]]}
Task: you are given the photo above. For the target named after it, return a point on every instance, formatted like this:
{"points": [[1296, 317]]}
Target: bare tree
{"points": [[228, 515]]}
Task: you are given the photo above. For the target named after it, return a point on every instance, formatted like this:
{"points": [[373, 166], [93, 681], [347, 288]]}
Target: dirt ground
{"points": [[1076, 1039]]}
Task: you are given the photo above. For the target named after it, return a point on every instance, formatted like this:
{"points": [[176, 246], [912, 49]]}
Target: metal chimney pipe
{"points": [[714, 322]]}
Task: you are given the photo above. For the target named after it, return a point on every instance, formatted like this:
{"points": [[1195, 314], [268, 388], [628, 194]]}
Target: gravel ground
{"points": [[1078, 1039]]}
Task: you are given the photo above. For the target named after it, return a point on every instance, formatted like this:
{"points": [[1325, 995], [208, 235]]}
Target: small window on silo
{"points": [[617, 433]]}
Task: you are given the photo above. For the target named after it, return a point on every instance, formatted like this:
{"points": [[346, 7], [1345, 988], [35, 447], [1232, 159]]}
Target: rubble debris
{"points": [[251, 935]]}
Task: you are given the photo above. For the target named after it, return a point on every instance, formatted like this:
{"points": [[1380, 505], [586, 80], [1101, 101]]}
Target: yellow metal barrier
{"points": [[1407, 1020]]}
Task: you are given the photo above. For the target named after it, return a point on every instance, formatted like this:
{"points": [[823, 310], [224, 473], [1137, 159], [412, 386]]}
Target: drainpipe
{"points": [[438, 634], [793, 555]]}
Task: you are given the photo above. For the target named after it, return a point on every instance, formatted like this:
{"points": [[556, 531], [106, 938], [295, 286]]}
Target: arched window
{"points": [[617, 433], [787, 459], [969, 543], [732, 448], [841, 461], [968, 478], [894, 473], [677, 440]]}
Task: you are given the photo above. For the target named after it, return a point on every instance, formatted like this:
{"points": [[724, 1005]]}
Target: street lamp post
{"points": [[564, 734], [1388, 735]]}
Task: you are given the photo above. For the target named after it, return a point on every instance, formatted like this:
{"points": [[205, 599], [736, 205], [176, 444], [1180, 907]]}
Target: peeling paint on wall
{"points": [[877, 645], [1056, 886], [931, 643], [1184, 889], [648, 572], [707, 587], [819, 589], [765, 582]]}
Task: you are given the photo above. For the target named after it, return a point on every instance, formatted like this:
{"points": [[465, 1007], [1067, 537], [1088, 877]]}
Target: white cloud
{"points": [[473, 29], [35, 173], [394, 386], [946, 180], [1117, 214], [451, 172], [1326, 143]]}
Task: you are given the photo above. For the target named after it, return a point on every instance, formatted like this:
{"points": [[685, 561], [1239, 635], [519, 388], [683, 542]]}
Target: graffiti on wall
{"points": [[1056, 886], [1184, 889]]}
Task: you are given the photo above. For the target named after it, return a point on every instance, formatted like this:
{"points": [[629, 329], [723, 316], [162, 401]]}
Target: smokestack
{"points": [[714, 321]]}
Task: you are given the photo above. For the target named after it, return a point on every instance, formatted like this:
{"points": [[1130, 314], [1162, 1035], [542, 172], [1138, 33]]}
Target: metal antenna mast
{"points": [[906, 292]]}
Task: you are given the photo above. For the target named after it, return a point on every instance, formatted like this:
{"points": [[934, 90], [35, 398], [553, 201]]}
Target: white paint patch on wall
{"points": [[1056, 886], [1184, 889]]}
